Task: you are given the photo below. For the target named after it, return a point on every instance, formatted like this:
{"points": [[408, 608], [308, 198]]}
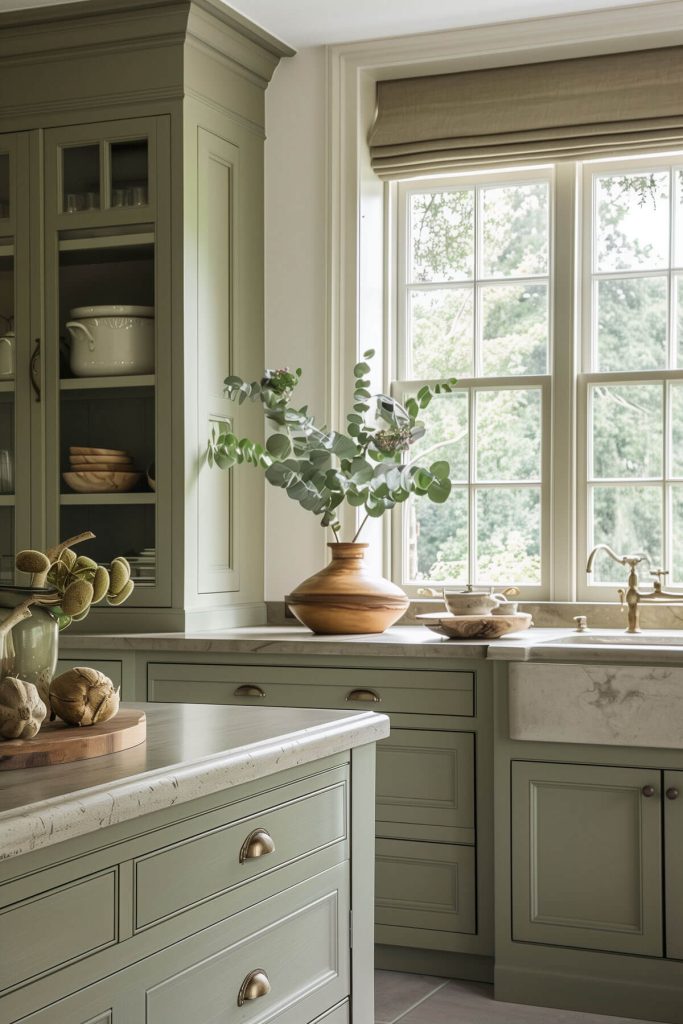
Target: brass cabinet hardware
{"points": [[254, 986], [368, 695], [648, 790], [249, 691], [672, 793], [34, 369], [257, 844]]}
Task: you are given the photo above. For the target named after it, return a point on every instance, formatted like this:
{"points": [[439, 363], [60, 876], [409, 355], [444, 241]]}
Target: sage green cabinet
{"points": [[673, 860], [131, 174], [587, 857], [432, 784]]}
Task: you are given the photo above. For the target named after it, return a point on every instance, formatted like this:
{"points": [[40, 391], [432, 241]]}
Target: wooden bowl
{"points": [[83, 450], [101, 482], [99, 467], [471, 627], [79, 460]]}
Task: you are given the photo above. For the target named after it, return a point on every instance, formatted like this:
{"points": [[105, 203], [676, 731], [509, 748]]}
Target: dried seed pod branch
{"points": [[54, 553]]}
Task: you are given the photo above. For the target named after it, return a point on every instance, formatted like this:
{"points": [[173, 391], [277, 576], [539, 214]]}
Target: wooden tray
{"points": [[57, 743], [471, 627]]}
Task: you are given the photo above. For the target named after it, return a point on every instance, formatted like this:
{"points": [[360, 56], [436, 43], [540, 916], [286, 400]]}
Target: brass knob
{"points": [[648, 790], [368, 695], [254, 986], [672, 793], [249, 691], [257, 844]]}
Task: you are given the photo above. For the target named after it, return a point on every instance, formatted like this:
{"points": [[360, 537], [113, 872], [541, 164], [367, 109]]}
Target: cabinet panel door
{"points": [[673, 860], [426, 779], [586, 857], [425, 885]]}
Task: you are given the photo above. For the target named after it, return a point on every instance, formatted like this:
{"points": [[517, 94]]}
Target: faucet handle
{"points": [[581, 624], [658, 573]]}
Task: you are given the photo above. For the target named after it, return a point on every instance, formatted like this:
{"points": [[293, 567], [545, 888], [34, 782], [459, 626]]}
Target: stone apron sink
{"points": [[623, 705]]}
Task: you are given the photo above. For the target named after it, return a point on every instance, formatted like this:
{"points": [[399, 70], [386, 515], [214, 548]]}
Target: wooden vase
{"points": [[346, 597]]}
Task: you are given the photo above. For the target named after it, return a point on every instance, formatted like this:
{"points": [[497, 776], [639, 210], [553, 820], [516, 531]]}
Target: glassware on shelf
{"points": [[6, 472], [75, 202]]}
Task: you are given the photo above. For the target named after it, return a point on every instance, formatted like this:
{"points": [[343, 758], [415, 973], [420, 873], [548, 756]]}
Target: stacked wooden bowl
{"points": [[100, 470]]}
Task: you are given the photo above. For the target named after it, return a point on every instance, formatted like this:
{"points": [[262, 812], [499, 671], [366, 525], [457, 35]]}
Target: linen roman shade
{"points": [[582, 108]]}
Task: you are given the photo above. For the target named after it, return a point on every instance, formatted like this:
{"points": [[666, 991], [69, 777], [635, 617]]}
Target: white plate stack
{"points": [[143, 566]]}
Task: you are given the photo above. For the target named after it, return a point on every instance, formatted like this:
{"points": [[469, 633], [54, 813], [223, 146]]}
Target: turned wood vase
{"points": [[347, 597]]}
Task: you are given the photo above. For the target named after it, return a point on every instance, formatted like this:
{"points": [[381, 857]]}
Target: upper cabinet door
{"points": [[586, 857], [15, 349], [102, 174], [108, 348]]}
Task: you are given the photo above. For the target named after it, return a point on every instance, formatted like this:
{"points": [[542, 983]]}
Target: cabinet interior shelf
{"points": [[141, 380], [116, 498], [6, 386], [118, 241], [6, 500], [6, 249]]}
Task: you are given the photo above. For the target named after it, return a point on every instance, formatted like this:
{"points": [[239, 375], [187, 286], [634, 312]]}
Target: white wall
{"points": [[295, 206]]}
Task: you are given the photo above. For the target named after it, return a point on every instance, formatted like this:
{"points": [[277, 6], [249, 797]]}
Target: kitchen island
{"points": [[206, 869]]}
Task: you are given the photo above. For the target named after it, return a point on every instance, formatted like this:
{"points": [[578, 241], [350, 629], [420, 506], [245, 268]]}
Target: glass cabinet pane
{"points": [[4, 186], [7, 419], [129, 173], [81, 178], [107, 428]]}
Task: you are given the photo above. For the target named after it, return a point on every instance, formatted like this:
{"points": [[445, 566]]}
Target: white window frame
{"points": [[401, 384], [587, 589]]}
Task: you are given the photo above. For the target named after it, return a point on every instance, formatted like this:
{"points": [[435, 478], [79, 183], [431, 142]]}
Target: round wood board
{"points": [[57, 743]]}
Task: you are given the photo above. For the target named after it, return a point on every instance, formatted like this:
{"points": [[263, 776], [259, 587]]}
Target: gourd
{"points": [[21, 709], [83, 696]]}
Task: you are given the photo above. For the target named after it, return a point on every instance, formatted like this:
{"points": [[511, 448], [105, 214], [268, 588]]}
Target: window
{"points": [[631, 390], [474, 302], [545, 289]]}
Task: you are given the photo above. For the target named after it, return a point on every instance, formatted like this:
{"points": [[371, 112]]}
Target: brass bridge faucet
{"points": [[632, 596]]}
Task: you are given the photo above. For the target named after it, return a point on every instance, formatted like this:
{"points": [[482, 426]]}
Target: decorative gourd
{"points": [[21, 709], [83, 696]]}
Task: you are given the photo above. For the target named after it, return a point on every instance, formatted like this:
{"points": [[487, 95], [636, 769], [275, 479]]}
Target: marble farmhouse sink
{"points": [[622, 705], [673, 638]]}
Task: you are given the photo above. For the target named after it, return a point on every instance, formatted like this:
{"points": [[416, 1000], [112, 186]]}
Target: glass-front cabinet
{"points": [[131, 286], [15, 412], [107, 341]]}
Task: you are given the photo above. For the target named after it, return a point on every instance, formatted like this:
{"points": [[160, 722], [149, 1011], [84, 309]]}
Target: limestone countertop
{"points": [[398, 642], [191, 751], [409, 641]]}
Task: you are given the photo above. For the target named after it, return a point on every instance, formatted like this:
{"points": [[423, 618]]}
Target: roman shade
{"points": [[582, 108]]}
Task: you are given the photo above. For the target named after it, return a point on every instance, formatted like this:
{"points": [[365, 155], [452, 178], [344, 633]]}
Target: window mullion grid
{"points": [[471, 486]]}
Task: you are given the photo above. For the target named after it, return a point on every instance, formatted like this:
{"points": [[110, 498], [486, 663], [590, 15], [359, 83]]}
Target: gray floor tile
{"points": [[460, 1002], [397, 993]]}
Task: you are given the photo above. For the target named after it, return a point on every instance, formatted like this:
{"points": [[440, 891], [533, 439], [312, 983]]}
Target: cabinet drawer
{"points": [[178, 877], [434, 692], [425, 885], [58, 927], [300, 945], [425, 781]]}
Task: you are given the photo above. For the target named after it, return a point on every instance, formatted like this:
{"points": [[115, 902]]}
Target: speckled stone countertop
{"points": [[191, 751], [536, 644], [398, 642]]}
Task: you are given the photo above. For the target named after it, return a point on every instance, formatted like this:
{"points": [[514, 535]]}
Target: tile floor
{"points": [[418, 999]]}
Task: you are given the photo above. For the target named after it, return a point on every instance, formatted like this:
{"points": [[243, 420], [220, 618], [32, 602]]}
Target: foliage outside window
{"points": [[480, 271], [474, 296]]}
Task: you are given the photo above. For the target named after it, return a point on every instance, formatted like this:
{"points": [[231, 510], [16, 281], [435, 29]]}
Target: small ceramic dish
{"points": [[471, 627]]}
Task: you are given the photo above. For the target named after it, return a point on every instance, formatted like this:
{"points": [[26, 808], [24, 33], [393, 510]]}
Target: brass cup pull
{"points": [[254, 986], [368, 695], [672, 793], [249, 691], [648, 791], [257, 844]]}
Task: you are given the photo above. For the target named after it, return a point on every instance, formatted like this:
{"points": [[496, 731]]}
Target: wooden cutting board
{"points": [[57, 743]]}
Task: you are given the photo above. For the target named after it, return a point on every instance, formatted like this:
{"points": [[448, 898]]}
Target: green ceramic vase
{"points": [[32, 646]]}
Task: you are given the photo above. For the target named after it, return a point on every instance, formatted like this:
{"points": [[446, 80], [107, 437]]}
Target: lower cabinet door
{"points": [[429, 886], [425, 786], [673, 863], [586, 857]]}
